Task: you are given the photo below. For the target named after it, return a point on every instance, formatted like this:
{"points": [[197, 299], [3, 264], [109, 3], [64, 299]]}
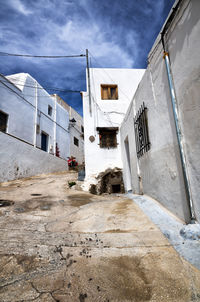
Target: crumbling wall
{"points": [[110, 181]]}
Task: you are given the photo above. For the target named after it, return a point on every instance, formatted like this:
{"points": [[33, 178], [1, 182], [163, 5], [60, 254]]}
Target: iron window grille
{"points": [[141, 131]]}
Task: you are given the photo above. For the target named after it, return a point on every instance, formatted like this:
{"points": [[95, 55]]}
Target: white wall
{"points": [[20, 111], [19, 159], [19, 102], [76, 131], [106, 113], [160, 168]]}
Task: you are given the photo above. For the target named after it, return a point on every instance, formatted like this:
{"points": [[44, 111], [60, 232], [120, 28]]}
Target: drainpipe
{"points": [[55, 104], [36, 111], [176, 119]]}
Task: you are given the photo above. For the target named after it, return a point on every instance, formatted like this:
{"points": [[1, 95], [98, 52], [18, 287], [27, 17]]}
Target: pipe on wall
{"points": [[36, 113], [55, 113], [175, 113]]}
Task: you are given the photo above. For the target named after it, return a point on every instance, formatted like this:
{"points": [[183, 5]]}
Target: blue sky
{"points": [[118, 33]]}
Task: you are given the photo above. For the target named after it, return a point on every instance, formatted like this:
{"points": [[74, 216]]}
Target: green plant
{"points": [[71, 183]]}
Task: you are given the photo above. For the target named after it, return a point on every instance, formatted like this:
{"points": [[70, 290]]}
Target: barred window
{"points": [[107, 137], [141, 131]]}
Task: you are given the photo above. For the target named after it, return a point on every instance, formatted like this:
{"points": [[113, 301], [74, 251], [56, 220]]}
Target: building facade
{"points": [[76, 131], [29, 113], [151, 130], [111, 91], [160, 134]]}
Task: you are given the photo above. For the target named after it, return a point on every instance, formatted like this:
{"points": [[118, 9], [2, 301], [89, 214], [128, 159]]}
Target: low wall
{"points": [[19, 159]]}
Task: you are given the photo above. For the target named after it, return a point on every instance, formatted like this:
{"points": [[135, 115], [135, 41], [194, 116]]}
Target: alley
{"points": [[62, 244]]}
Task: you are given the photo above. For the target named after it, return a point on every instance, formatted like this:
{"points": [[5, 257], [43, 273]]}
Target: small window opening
{"points": [[76, 141], [82, 128], [109, 92], [49, 110], [107, 137], [3, 121], [44, 141]]}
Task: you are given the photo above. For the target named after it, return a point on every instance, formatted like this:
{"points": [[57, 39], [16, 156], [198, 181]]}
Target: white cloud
{"points": [[79, 36], [19, 6]]}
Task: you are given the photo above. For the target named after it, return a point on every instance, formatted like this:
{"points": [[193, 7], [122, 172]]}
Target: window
{"points": [[109, 92], [44, 141], [82, 128], [107, 137], [49, 110], [76, 141], [141, 131], [3, 121]]}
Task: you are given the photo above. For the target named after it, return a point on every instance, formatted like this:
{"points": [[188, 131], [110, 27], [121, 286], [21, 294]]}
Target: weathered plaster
{"points": [[160, 168], [106, 113], [18, 160]]}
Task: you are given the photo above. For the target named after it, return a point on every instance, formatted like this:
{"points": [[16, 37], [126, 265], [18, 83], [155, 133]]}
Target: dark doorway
{"points": [[3, 121], [44, 142], [116, 188]]}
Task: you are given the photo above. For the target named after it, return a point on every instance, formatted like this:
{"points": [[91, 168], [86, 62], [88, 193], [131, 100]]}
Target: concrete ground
{"points": [[62, 244]]}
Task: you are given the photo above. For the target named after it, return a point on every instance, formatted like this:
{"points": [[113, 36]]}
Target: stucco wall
{"points": [[106, 113], [183, 44], [19, 102], [19, 159], [76, 131], [160, 168], [21, 113]]}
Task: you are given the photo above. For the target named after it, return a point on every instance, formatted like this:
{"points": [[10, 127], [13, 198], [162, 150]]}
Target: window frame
{"points": [[143, 144], [76, 139], [109, 87], [50, 110], [6, 124], [106, 131]]}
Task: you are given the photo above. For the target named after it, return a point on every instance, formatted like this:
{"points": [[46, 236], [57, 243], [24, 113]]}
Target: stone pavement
{"points": [[61, 244]]}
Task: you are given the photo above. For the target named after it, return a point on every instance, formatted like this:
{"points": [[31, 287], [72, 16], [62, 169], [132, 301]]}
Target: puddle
{"points": [[39, 203], [45, 207], [6, 203], [19, 210], [78, 200]]}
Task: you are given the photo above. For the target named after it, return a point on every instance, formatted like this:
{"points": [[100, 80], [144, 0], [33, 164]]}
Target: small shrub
{"points": [[71, 184]]}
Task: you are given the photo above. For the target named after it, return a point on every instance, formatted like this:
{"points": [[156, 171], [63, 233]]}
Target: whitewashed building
{"points": [[111, 91], [152, 129], [76, 131], [160, 134], [29, 113]]}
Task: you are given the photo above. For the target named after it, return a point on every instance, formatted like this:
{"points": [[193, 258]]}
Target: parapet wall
{"points": [[19, 159]]}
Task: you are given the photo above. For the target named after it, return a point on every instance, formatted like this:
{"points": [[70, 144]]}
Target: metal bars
{"points": [[141, 131]]}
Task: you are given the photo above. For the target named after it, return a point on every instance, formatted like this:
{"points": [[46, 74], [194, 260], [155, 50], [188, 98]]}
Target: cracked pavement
{"points": [[61, 244]]}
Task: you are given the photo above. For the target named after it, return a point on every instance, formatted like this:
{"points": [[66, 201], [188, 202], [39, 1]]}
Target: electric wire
{"points": [[103, 69], [19, 83], [34, 107], [35, 56]]}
